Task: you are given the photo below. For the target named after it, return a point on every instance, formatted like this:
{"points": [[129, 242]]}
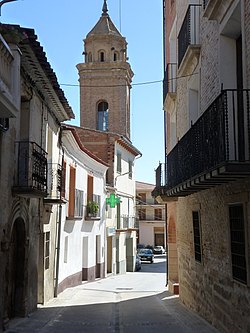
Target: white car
{"points": [[159, 249]]}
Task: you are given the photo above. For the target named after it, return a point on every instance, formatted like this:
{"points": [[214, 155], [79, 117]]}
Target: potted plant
{"points": [[92, 208]]}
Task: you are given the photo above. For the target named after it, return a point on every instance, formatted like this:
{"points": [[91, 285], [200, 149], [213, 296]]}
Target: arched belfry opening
{"points": [[102, 116]]}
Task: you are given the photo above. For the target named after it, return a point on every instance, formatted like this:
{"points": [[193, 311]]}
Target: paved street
{"points": [[131, 303]]}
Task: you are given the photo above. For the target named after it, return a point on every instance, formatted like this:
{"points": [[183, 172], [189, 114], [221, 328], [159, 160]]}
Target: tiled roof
{"points": [[35, 62], [104, 26]]}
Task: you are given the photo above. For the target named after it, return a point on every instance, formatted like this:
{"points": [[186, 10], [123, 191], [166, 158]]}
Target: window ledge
{"points": [[216, 9], [92, 218], [73, 218]]}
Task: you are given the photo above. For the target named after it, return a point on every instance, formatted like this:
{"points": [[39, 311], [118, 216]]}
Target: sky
{"points": [[61, 27]]}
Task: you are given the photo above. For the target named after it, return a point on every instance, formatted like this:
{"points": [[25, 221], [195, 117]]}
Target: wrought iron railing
{"points": [[205, 2], [31, 168], [169, 82], [190, 31], [220, 135], [55, 181], [127, 222]]}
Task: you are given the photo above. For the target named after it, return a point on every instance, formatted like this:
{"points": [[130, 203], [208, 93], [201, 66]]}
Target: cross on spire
{"points": [[112, 200], [105, 8]]}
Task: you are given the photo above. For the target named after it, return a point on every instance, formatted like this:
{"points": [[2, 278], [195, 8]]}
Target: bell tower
{"points": [[105, 79]]}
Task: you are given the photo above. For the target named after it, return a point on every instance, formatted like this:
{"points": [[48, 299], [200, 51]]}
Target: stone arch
{"points": [[101, 55], [15, 240]]}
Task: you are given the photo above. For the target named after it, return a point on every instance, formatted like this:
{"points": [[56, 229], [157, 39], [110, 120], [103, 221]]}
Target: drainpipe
{"points": [[59, 224], [59, 227]]}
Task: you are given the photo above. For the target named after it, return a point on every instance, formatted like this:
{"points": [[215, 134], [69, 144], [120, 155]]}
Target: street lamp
{"points": [[3, 2]]}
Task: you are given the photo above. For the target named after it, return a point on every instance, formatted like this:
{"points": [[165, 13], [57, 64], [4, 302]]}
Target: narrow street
{"points": [[134, 302]]}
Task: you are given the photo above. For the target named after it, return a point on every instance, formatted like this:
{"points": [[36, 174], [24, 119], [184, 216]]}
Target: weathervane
{"points": [[3, 2]]}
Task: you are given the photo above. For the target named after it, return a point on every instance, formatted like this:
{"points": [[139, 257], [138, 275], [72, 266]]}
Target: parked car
{"points": [[140, 246], [146, 255], [137, 263], [159, 249]]}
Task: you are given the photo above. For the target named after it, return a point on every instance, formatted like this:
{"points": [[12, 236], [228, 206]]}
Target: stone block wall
{"points": [[208, 287]]}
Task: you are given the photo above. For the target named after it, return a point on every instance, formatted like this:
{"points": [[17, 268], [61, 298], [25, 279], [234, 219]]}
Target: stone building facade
{"points": [[207, 182], [151, 217], [32, 108]]}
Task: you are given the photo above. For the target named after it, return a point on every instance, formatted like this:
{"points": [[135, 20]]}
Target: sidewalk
{"points": [[115, 304]]}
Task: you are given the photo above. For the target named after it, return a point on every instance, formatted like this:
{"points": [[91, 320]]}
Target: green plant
{"points": [[92, 208]]}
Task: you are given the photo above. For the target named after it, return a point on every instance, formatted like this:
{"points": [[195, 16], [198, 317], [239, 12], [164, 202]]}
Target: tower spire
{"points": [[105, 9]]}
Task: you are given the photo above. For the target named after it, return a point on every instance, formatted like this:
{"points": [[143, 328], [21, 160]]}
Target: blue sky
{"points": [[61, 27]]}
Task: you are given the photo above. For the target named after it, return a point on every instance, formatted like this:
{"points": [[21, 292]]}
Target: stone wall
{"points": [[208, 287]]}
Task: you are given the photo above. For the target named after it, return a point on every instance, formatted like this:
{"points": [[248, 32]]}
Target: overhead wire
{"points": [[124, 85]]}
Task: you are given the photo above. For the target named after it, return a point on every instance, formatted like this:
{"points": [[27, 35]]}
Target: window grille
{"points": [[197, 236], [238, 245]]}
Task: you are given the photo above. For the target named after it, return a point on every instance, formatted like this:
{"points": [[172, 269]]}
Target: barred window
{"points": [[238, 244], [197, 236]]}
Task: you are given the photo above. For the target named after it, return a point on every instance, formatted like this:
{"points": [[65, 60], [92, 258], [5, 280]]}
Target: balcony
{"points": [[126, 222], [31, 175], [55, 184], [169, 82], [216, 9], [189, 40], [216, 149], [9, 81]]}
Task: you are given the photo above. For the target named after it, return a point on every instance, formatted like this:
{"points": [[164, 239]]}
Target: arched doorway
{"points": [[16, 271]]}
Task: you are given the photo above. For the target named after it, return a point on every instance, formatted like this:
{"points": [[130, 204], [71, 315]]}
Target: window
{"points": [[119, 163], [130, 169], [78, 203], [72, 193], [90, 57], [46, 249], [142, 214], [142, 198], [102, 115], [158, 214], [90, 188], [197, 236], [97, 199], [63, 180], [238, 245]]}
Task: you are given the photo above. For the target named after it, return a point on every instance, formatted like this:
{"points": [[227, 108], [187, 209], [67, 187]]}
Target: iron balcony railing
{"points": [[205, 2], [55, 181], [219, 137], [31, 176], [126, 222], [190, 31], [169, 82]]}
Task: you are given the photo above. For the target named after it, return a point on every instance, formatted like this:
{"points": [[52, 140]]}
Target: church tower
{"points": [[105, 79]]}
